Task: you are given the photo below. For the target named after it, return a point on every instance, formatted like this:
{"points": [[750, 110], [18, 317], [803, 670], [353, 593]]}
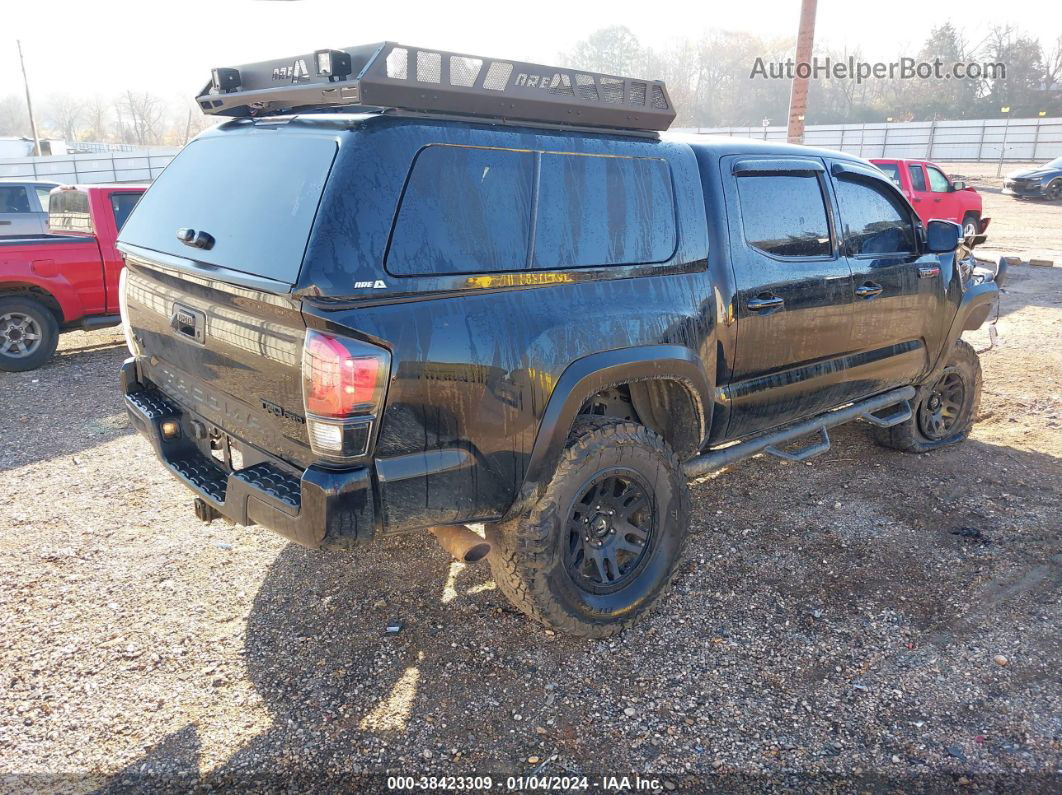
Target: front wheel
{"points": [[971, 225], [603, 541], [944, 408], [29, 334], [1054, 191]]}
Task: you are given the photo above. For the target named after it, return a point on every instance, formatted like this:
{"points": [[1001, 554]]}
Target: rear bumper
{"points": [[315, 508]]}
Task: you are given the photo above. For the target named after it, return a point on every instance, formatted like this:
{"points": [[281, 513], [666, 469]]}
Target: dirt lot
{"points": [[840, 617]]}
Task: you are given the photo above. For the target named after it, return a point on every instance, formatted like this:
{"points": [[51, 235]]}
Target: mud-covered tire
{"points": [[528, 554], [21, 316], [915, 435]]}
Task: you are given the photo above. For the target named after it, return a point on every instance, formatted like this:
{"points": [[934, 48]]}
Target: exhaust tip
{"points": [[461, 543], [477, 552]]}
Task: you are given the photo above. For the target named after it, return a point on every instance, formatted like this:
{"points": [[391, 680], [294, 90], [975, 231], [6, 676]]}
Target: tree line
{"points": [[133, 117], [711, 79]]}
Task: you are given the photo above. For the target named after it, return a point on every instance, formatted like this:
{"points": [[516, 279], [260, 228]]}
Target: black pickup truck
{"points": [[498, 293]]}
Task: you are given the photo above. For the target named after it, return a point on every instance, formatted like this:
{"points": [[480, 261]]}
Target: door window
{"points": [[13, 199], [938, 183], [874, 220], [42, 197], [784, 215], [918, 178]]}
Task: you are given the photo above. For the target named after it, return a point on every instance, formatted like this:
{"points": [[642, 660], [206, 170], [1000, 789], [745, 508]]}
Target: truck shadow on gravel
{"points": [[69, 405], [834, 586]]}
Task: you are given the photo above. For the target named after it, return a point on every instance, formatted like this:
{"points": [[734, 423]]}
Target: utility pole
{"points": [[798, 95], [1003, 146], [29, 102]]}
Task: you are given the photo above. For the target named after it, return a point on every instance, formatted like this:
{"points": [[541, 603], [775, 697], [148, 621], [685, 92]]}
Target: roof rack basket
{"points": [[390, 75]]}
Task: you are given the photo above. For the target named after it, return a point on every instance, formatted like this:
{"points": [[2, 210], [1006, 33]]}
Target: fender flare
{"points": [[589, 375], [973, 311]]}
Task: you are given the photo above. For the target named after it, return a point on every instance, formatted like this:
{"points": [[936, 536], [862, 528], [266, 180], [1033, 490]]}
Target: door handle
{"points": [[5, 223], [765, 302], [868, 290]]}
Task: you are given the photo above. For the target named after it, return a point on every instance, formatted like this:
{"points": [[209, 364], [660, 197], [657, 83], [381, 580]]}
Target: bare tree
{"points": [[13, 118], [140, 113], [64, 114]]}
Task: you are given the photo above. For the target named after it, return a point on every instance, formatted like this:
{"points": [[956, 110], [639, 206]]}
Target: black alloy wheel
{"points": [[942, 409], [610, 531]]}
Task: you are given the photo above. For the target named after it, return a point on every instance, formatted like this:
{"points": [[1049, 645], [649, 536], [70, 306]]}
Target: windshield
{"points": [[1056, 163], [256, 194]]}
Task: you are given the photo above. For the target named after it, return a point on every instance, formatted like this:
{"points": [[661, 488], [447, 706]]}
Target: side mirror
{"points": [[958, 185], [942, 237]]}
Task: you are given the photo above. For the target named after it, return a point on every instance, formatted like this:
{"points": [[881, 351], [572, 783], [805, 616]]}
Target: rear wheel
{"points": [[943, 409], [29, 334], [603, 541]]}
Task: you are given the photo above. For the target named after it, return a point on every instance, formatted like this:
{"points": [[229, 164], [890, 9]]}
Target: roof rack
{"points": [[390, 75]]}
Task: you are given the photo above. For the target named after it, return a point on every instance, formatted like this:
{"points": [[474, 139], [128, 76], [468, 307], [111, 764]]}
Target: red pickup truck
{"points": [[65, 280], [933, 195]]}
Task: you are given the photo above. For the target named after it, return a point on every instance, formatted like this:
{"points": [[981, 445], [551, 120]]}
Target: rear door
{"points": [[219, 330], [111, 211], [794, 292], [920, 196], [900, 301]]}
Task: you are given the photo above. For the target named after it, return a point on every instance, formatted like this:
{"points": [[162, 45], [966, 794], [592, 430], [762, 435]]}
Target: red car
{"points": [[66, 280], [933, 195]]}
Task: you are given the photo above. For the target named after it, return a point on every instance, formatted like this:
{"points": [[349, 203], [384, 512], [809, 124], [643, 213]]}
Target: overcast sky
{"points": [[105, 46]]}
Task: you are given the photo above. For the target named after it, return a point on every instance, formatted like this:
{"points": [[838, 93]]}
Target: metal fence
{"points": [[1020, 140], [90, 168]]}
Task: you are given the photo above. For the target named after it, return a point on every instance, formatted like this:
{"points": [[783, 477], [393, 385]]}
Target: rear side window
{"points": [[121, 205], [464, 210], [474, 210], [256, 193], [891, 171], [918, 178], [785, 215], [874, 220], [603, 211]]}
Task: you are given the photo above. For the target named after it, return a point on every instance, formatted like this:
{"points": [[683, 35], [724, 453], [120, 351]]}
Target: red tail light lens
{"points": [[342, 377]]}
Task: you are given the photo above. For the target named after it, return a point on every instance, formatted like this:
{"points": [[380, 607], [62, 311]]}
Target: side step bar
{"points": [[713, 460]]}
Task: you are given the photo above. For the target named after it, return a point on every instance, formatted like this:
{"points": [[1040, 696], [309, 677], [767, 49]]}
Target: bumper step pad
{"points": [[277, 484]]}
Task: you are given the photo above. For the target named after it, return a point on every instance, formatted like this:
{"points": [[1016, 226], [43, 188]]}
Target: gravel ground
{"points": [[867, 614]]}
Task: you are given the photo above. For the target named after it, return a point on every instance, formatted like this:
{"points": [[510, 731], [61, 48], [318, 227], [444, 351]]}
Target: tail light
{"points": [[343, 386]]}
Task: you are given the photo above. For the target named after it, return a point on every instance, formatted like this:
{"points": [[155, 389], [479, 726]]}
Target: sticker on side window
{"points": [[376, 285]]}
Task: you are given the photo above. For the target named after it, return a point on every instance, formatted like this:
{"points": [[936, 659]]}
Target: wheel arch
{"points": [[36, 292], [671, 373]]}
